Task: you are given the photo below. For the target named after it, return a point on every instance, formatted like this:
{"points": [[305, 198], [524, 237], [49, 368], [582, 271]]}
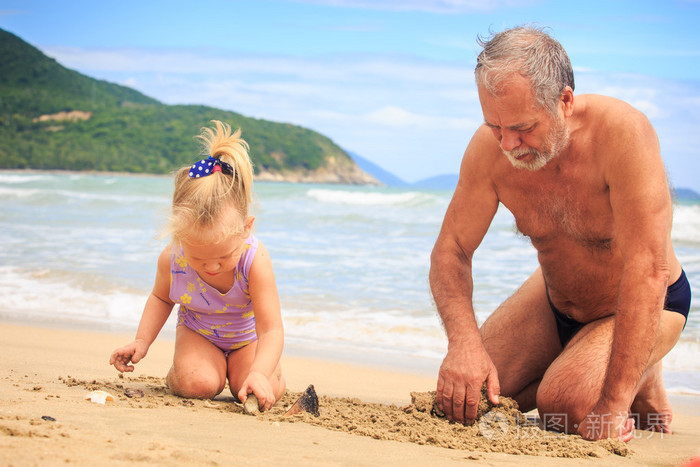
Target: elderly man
{"points": [[582, 339]]}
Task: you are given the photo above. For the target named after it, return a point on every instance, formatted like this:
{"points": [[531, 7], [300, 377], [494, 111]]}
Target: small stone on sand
{"points": [[251, 406]]}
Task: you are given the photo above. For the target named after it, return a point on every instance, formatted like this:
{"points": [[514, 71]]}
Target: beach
{"points": [[351, 265], [46, 372]]}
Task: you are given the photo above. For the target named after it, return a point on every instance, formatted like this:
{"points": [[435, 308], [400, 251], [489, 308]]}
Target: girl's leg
{"points": [[199, 367], [239, 363]]}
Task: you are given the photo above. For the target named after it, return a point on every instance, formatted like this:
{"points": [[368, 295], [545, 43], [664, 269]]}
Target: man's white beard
{"points": [[556, 141]]}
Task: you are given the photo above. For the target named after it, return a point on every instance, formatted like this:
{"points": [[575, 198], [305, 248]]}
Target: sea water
{"points": [[351, 263]]}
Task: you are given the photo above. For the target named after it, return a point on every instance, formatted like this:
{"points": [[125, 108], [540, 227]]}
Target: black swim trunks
{"points": [[677, 300]]}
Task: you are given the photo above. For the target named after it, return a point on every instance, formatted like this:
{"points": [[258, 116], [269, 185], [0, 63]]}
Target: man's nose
{"points": [[510, 140]]}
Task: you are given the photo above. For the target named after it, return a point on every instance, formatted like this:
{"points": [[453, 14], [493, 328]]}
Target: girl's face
{"points": [[216, 259]]}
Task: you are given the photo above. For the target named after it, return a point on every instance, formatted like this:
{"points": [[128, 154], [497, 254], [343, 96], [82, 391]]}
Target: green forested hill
{"points": [[115, 128]]}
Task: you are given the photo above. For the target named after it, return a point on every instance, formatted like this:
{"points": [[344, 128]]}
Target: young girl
{"points": [[229, 321]]}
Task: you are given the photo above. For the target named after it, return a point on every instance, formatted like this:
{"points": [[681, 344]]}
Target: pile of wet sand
{"points": [[502, 428]]}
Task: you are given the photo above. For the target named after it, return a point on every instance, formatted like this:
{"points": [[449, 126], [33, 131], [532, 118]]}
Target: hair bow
{"points": [[208, 166]]}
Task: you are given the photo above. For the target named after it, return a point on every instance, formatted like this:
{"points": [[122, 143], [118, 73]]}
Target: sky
{"points": [[389, 80]]}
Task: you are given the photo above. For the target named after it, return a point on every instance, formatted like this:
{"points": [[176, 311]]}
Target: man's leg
{"points": [[572, 385], [521, 339]]}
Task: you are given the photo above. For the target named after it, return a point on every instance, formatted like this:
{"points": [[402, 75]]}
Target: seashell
{"points": [[251, 405], [100, 397], [131, 392], [308, 402]]}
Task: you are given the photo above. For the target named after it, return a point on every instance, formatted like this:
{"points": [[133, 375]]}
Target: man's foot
{"points": [[652, 404]]}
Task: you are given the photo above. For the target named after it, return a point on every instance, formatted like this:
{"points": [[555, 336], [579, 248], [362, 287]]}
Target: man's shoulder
{"points": [[597, 107], [609, 117], [482, 155], [613, 134], [484, 144]]}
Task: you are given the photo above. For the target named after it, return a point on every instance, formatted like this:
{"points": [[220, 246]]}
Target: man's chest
{"points": [[571, 206]]}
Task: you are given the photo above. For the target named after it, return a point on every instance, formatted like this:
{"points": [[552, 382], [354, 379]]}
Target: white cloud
{"points": [[393, 116], [391, 110], [431, 6]]}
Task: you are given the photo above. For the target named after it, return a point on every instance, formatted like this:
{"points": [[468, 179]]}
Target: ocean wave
{"points": [[367, 198], [19, 193], [63, 295], [686, 223], [683, 390], [12, 178], [53, 194], [684, 357]]}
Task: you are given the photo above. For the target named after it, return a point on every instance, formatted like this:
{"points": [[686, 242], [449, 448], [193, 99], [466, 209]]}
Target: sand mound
{"points": [[501, 428]]}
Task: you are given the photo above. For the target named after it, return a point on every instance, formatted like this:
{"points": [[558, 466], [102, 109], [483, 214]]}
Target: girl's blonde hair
{"points": [[212, 208]]}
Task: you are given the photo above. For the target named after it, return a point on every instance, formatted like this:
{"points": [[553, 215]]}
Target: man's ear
{"points": [[567, 101]]}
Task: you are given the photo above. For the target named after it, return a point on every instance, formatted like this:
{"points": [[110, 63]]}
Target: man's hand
{"points": [[603, 423], [460, 380], [131, 353]]}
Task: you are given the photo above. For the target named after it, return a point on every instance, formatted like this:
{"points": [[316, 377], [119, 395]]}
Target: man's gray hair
{"points": [[531, 53]]}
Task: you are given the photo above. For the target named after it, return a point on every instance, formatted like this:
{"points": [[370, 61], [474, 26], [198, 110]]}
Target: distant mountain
{"points": [[384, 176], [686, 193], [55, 118], [438, 182]]}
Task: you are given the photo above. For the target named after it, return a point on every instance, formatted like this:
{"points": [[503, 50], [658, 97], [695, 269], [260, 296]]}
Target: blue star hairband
{"points": [[208, 166]]}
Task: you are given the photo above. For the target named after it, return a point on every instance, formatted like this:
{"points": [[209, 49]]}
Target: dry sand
{"points": [[367, 417]]}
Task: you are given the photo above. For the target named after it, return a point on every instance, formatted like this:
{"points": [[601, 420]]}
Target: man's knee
{"points": [[559, 411]]}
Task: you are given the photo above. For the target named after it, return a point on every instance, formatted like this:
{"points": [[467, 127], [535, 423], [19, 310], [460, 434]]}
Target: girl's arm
{"points": [[268, 320], [155, 313]]}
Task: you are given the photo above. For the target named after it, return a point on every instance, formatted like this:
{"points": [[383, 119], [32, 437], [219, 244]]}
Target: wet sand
{"points": [[366, 416]]}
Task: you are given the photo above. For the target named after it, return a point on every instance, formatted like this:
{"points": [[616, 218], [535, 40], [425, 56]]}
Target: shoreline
{"points": [[381, 360], [377, 360], [265, 177], [46, 372]]}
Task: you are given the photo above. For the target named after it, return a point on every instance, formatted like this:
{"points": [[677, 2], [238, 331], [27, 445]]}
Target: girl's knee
{"points": [[194, 384]]}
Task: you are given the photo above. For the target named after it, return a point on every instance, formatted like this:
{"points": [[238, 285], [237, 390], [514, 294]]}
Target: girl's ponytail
{"points": [[220, 143], [200, 202]]}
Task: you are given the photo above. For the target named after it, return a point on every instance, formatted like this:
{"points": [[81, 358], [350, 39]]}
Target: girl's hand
{"points": [[258, 384], [132, 353]]}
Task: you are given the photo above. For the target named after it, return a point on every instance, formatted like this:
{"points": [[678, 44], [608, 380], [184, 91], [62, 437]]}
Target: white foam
{"points": [[22, 178], [685, 356], [683, 390], [60, 295], [686, 223], [398, 330], [53, 194], [366, 198], [19, 193]]}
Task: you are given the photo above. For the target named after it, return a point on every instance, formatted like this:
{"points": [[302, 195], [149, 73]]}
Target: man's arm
{"points": [[641, 205], [473, 206]]}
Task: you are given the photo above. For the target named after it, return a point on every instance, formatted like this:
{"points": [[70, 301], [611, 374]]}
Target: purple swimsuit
{"points": [[226, 320]]}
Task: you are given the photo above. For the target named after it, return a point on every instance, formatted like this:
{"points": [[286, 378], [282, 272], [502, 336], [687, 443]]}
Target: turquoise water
{"points": [[351, 263]]}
